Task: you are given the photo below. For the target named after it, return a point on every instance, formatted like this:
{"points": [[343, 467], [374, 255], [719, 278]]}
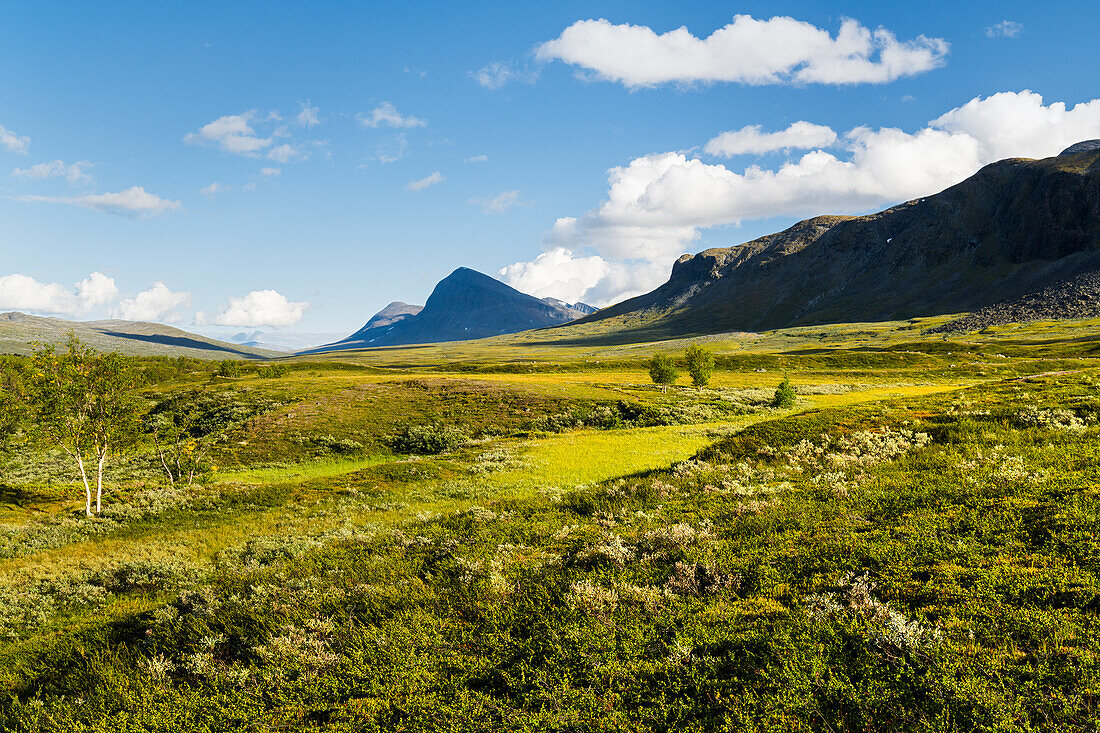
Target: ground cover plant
{"points": [[392, 547]]}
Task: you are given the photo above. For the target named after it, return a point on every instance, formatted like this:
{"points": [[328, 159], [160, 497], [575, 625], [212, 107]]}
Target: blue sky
{"points": [[315, 121]]}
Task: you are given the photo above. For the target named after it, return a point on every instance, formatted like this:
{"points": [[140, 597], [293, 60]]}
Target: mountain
{"points": [[464, 305], [19, 332], [382, 322], [1015, 227], [579, 309]]}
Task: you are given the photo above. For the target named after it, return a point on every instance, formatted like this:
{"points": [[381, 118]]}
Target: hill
{"points": [[464, 305], [19, 331], [1015, 227]]}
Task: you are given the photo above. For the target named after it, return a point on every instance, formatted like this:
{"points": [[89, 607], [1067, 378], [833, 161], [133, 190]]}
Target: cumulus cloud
{"points": [[23, 292], [656, 205], [287, 153], [12, 142], [780, 50], [570, 276], [158, 303], [386, 115], [752, 139], [135, 202], [232, 134], [74, 173], [476, 159], [1004, 29], [499, 203], [212, 189], [237, 135], [261, 308], [422, 183], [308, 115], [271, 172], [498, 74]]}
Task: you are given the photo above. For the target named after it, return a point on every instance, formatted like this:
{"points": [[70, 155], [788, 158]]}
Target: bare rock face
{"points": [[1014, 227], [1085, 146]]}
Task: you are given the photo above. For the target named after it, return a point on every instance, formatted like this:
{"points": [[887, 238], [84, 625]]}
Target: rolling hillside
{"points": [[19, 331]]}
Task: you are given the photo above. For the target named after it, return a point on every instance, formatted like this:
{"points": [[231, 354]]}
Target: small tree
{"points": [[11, 403], [229, 368], [185, 426], [662, 370], [180, 437], [700, 364], [82, 401], [784, 394]]}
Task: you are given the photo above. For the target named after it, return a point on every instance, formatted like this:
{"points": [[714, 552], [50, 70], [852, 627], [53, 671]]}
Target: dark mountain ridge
{"points": [[464, 305], [1014, 227]]}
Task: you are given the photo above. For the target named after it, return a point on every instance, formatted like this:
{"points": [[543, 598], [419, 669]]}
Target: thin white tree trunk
{"points": [[99, 481], [87, 486]]}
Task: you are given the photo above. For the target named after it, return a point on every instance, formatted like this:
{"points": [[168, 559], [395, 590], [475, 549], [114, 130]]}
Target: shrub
{"points": [[662, 369], [229, 368], [700, 364], [784, 394], [427, 439], [272, 372]]}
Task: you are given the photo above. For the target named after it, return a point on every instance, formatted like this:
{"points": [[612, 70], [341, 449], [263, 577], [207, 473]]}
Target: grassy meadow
{"points": [[913, 546]]}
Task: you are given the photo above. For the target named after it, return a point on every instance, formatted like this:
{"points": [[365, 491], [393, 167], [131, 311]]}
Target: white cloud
{"points": [[158, 303], [261, 308], [498, 74], [308, 115], [781, 50], [430, 180], [287, 153], [657, 204], [12, 142], [271, 172], [212, 189], [22, 292], [74, 173], [499, 203], [476, 159], [386, 115], [751, 139], [392, 150], [232, 134], [564, 274], [1004, 29], [134, 202]]}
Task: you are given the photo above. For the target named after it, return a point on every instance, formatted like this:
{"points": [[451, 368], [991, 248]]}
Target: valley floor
{"points": [[913, 546]]}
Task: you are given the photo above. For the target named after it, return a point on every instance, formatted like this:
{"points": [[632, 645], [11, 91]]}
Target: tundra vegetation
{"points": [[539, 538]]}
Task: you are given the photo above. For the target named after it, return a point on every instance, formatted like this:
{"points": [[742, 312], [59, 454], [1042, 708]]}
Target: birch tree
{"points": [[82, 401]]}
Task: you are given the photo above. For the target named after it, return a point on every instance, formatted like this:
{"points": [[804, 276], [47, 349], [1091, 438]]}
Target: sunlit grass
{"points": [[319, 468]]}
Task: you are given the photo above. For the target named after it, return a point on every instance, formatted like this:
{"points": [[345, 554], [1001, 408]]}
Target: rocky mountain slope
{"points": [[1078, 297], [1015, 227], [464, 305], [19, 331]]}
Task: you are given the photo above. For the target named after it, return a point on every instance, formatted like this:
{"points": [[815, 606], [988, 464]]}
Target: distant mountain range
{"points": [[1015, 229], [19, 331], [464, 305]]}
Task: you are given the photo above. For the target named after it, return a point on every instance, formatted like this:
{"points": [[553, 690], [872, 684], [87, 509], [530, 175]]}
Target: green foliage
{"points": [[700, 364], [662, 369], [784, 394], [187, 425], [230, 368], [83, 402], [274, 371], [427, 439]]}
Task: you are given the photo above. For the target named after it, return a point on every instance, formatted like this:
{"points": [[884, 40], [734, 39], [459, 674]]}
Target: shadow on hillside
{"points": [[180, 342]]}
